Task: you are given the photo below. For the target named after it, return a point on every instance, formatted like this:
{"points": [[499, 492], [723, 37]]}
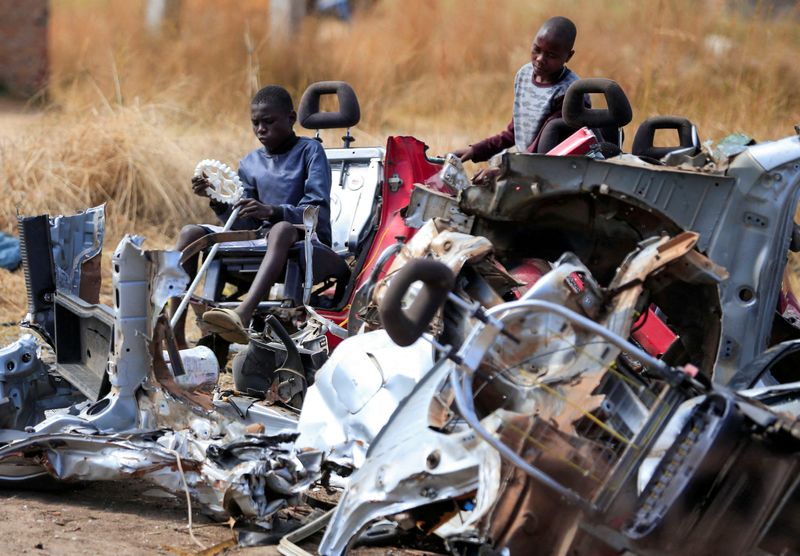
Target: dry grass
{"points": [[129, 115], [440, 66]]}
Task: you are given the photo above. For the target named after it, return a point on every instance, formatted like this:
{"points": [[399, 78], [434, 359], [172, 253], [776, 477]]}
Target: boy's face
{"points": [[271, 125], [548, 56]]}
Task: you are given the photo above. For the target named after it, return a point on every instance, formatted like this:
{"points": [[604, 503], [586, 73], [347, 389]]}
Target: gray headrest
{"points": [[348, 115]]}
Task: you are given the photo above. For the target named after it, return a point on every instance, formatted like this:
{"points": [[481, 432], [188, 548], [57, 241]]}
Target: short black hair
{"points": [[276, 96], [563, 27]]}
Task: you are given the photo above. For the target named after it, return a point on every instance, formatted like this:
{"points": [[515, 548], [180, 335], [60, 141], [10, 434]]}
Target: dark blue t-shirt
{"points": [[290, 181]]}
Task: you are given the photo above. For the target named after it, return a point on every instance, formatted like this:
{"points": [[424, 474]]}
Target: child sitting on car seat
{"points": [[288, 174], [539, 89]]}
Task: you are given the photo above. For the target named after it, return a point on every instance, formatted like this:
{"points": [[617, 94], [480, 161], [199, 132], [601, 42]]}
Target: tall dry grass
{"points": [[441, 65], [128, 115]]}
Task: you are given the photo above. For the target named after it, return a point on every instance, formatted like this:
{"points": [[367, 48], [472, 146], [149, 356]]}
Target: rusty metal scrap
{"points": [[236, 475], [524, 420]]}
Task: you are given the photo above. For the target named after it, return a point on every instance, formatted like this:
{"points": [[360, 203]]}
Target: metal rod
{"points": [[467, 410], [535, 305], [310, 215], [332, 327], [287, 545], [206, 263], [475, 310], [263, 305], [464, 393]]}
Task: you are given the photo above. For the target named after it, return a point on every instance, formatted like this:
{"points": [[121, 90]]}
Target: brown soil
{"points": [[122, 518], [105, 518]]}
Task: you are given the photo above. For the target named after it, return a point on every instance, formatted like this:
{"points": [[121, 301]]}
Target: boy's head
{"points": [[552, 48], [273, 116]]}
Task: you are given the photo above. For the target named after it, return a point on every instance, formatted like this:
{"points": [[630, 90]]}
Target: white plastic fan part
{"points": [[226, 187]]}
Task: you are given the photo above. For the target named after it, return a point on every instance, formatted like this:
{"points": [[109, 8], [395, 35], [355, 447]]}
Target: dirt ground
{"points": [[105, 518], [121, 518]]}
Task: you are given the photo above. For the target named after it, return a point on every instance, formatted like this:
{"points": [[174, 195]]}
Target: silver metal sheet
{"points": [[76, 239], [355, 190], [408, 465], [356, 392], [772, 154], [255, 474]]}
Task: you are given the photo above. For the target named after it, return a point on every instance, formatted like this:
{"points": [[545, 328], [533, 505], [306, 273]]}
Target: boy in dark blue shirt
{"points": [[280, 180]]}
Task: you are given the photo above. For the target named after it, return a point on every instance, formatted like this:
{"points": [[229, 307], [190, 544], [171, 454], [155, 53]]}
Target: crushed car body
{"points": [[581, 354]]}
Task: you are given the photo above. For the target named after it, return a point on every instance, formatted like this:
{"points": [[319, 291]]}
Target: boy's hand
{"points": [[200, 185], [486, 175], [465, 154], [250, 208]]}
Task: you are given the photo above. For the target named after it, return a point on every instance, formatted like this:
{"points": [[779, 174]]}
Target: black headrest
{"points": [[643, 142], [310, 117], [576, 114]]}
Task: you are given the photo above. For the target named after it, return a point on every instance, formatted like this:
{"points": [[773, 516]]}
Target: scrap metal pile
{"points": [[580, 355]]}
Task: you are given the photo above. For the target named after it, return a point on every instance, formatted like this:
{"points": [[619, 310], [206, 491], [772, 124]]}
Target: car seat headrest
{"points": [[645, 135], [577, 115], [310, 117]]}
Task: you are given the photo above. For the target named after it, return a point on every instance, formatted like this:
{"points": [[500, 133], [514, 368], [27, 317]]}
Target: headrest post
{"points": [[317, 137], [348, 139]]}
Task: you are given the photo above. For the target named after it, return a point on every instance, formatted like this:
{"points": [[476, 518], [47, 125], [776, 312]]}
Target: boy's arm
{"points": [[486, 149]]}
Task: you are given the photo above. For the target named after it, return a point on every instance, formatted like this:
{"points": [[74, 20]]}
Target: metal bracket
{"points": [[310, 215], [395, 183], [287, 545]]}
